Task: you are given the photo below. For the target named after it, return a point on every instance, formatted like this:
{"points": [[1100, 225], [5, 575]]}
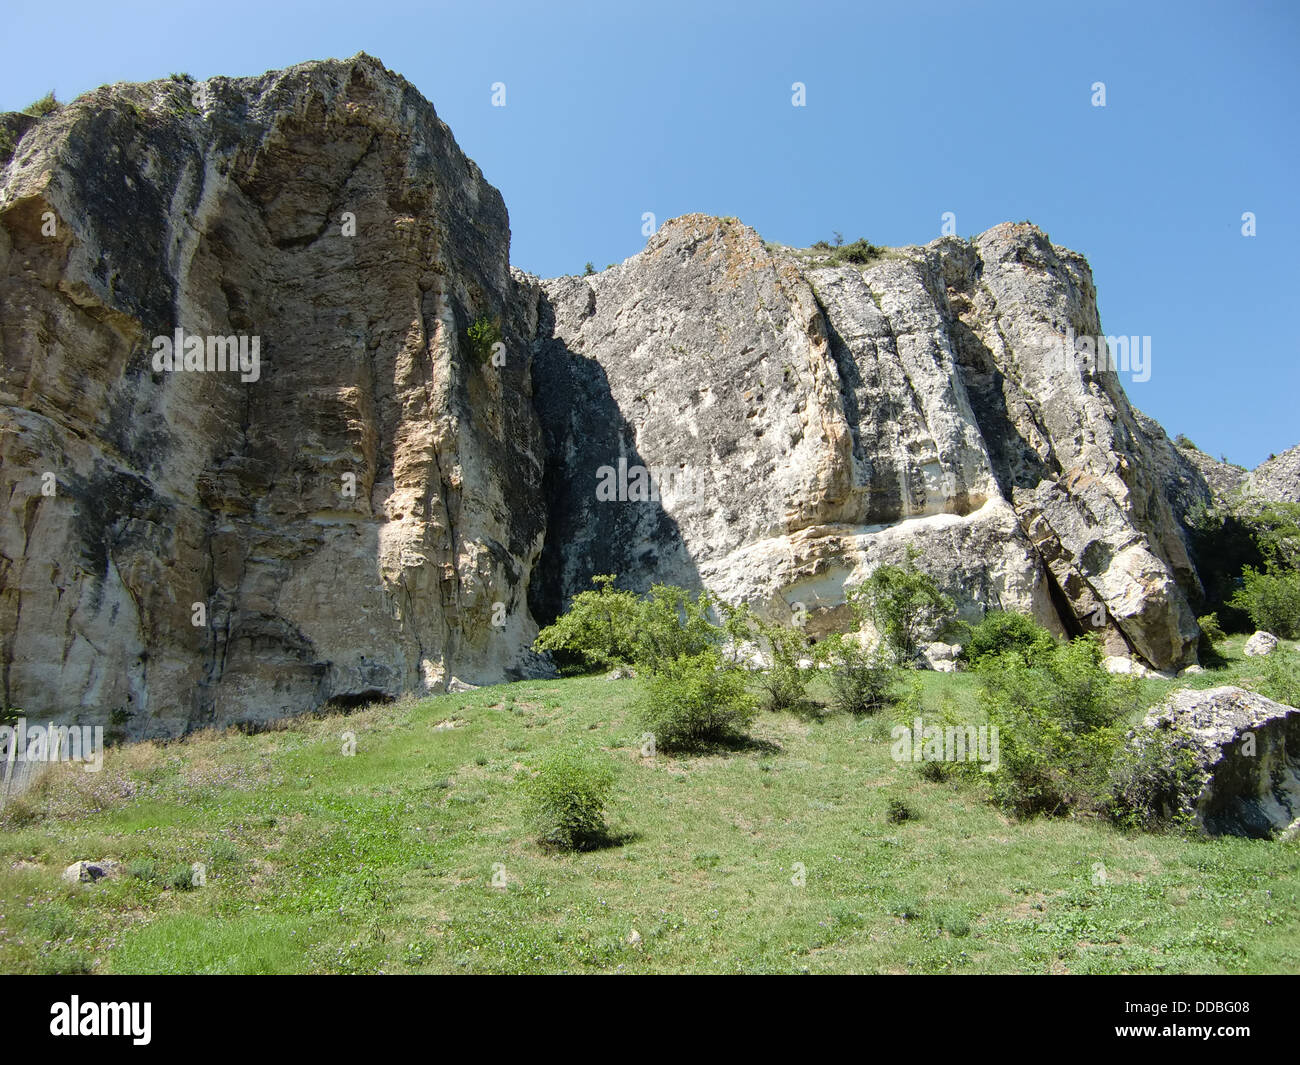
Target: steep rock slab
{"points": [[349, 517]]}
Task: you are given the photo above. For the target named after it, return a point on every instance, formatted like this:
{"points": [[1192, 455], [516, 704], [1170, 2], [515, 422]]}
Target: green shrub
{"points": [[567, 800], [142, 869], [180, 878], [903, 603], [1272, 599], [671, 625], [1002, 632], [483, 335], [785, 681], [862, 681], [1276, 528], [1151, 780], [1211, 631], [588, 270], [1278, 676], [696, 699], [597, 632], [898, 811], [860, 252], [46, 105], [1060, 724]]}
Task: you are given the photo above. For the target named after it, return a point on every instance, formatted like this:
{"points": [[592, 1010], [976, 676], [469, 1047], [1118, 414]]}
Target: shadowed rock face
{"points": [[220, 211], [377, 510]]}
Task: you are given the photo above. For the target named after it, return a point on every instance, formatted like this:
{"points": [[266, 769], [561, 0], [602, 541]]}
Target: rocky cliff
{"points": [[433, 451], [814, 420], [179, 547]]}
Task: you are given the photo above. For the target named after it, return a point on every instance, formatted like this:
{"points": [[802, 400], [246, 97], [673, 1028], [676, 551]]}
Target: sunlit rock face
{"points": [[811, 421], [382, 501], [360, 519]]}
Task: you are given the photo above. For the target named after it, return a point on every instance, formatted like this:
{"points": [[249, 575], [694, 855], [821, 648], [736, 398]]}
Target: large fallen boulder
{"points": [[1244, 777]]}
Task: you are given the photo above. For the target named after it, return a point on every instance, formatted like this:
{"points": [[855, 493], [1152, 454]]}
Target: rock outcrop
{"points": [[433, 450], [1278, 479], [1245, 754], [358, 518], [810, 421]]}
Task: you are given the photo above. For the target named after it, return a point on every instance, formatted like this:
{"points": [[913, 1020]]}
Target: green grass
{"points": [[776, 857]]}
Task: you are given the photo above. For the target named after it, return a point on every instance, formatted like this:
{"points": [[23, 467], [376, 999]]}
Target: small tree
{"points": [[483, 335], [1003, 632], [785, 681], [671, 625], [1272, 599], [599, 630], [46, 105], [903, 604]]}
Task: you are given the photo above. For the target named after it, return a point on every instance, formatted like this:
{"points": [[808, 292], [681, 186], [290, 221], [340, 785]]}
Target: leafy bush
{"points": [[1276, 528], [671, 625], [180, 878], [1279, 676], [859, 252], [862, 681], [1003, 632], [1211, 630], [567, 800], [898, 811], [598, 631], [903, 603], [1150, 781], [607, 627], [785, 681], [696, 699], [1272, 599], [483, 335], [142, 869], [1060, 725]]}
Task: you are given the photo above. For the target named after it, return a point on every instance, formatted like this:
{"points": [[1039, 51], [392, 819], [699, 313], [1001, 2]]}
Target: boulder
{"points": [[1260, 644], [1125, 665], [85, 872], [941, 657], [1245, 750]]}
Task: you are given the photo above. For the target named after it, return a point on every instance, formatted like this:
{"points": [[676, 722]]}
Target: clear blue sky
{"points": [[913, 108]]}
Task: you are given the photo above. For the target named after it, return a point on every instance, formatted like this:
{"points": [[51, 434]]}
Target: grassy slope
{"points": [[317, 862]]}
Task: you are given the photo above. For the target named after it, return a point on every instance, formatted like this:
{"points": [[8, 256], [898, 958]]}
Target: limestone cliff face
{"points": [[811, 421], [348, 519], [377, 508]]}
